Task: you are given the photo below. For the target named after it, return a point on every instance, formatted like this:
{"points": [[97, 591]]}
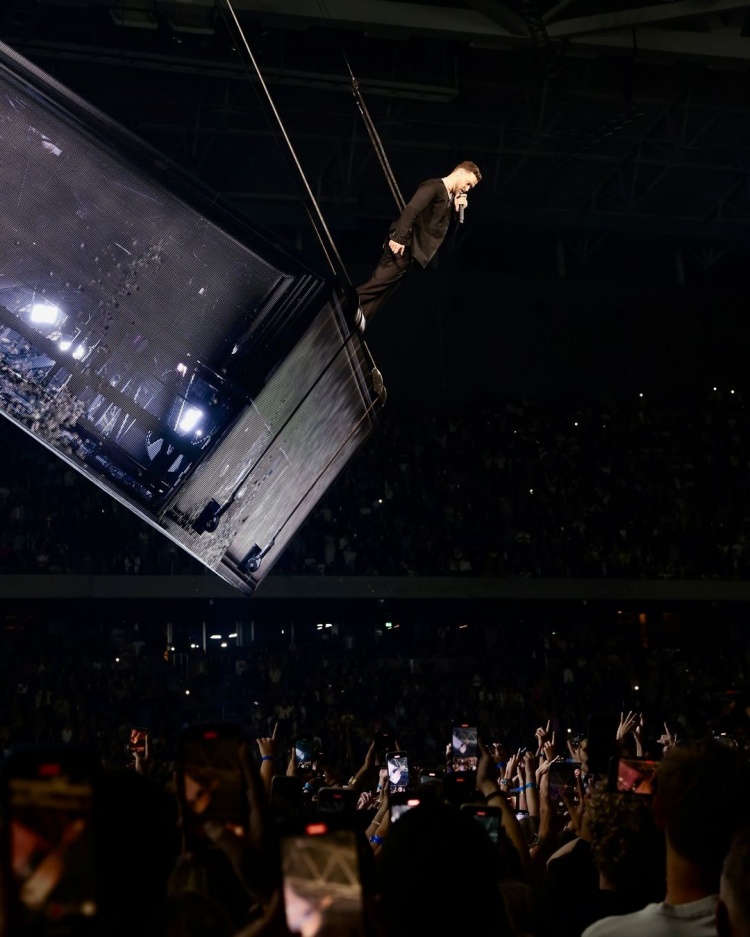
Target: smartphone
{"points": [[137, 740], [562, 779], [489, 817], [286, 795], [303, 753], [398, 771], [464, 748], [210, 781], [632, 776], [337, 800], [321, 866], [49, 849]]}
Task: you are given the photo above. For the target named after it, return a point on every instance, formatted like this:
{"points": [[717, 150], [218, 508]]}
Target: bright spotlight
{"points": [[223, 644], [215, 637], [232, 635], [190, 419], [64, 344], [45, 314], [80, 353]]}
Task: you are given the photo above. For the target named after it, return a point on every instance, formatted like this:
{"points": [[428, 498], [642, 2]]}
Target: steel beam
{"points": [[641, 16]]}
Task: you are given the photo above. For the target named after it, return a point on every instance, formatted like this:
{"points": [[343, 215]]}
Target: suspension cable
{"points": [[311, 205]]}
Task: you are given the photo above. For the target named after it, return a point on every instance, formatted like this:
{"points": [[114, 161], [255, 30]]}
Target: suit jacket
{"points": [[424, 221]]}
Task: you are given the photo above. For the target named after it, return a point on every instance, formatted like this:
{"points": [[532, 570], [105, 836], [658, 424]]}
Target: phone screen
{"points": [[52, 863], [464, 748], [398, 771], [137, 740], [562, 779], [322, 881], [212, 782], [634, 776], [303, 753]]}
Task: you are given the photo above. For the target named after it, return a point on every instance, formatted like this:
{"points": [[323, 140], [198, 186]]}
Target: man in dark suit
{"points": [[417, 234]]}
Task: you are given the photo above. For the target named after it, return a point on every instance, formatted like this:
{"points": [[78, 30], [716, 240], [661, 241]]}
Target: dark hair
{"points": [[468, 166], [627, 847], [432, 857]]}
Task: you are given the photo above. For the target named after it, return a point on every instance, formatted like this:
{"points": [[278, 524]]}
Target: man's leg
{"points": [[384, 280]]}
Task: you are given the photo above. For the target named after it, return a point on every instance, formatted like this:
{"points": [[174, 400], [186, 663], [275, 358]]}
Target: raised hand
{"points": [[267, 746], [667, 740]]}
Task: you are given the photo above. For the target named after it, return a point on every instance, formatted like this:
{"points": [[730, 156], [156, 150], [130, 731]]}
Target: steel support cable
{"points": [[375, 140], [311, 205]]}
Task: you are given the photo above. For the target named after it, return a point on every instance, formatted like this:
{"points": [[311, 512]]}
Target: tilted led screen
{"points": [[200, 373]]}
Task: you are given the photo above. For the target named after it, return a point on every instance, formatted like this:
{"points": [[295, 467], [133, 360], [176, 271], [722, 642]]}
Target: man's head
{"points": [[466, 175], [733, 912], [701, 800]]}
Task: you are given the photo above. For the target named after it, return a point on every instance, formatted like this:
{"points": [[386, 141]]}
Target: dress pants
{"points": [[384, 280]]}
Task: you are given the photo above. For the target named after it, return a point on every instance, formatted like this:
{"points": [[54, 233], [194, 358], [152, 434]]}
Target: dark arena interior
{"points": [[291, 601]]}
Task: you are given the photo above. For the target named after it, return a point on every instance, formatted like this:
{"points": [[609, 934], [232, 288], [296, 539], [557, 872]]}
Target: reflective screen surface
{"points": [[145, 335]]}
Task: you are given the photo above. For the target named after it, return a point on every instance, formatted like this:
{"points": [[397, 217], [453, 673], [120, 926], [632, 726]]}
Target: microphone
{"points": [[460, 214]]}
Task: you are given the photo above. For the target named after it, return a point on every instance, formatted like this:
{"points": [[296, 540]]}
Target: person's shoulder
{"points": [[431, 183], [622, 925]]}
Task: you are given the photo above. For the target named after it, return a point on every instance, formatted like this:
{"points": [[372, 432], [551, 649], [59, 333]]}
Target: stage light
{"points": [[223, 644], [80, 353], [215, 637], [45, 314], [232, 635], [189, 419], [64, 344], [181, 369]]}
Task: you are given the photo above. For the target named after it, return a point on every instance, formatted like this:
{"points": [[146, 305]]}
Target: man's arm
{"points": [[417, 204]]}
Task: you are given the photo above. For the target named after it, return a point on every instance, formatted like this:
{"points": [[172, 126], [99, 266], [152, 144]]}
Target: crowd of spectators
{"points": [[564, 858], [639, 488]]}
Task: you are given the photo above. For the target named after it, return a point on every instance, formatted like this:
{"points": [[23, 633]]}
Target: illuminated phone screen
{"points": [[303, 752], [635, 776], [51, 838], [464, 748], [398, 772], [322, 883]]}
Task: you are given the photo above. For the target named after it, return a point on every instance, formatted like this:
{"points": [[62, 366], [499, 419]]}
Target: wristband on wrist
{"points": [[517, 790], [504, 782], [530, 784], [266, 757], [489, 797], [376, 840]]}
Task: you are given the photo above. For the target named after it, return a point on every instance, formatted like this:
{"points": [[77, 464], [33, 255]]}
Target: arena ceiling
{"points": [[592, 120]]}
